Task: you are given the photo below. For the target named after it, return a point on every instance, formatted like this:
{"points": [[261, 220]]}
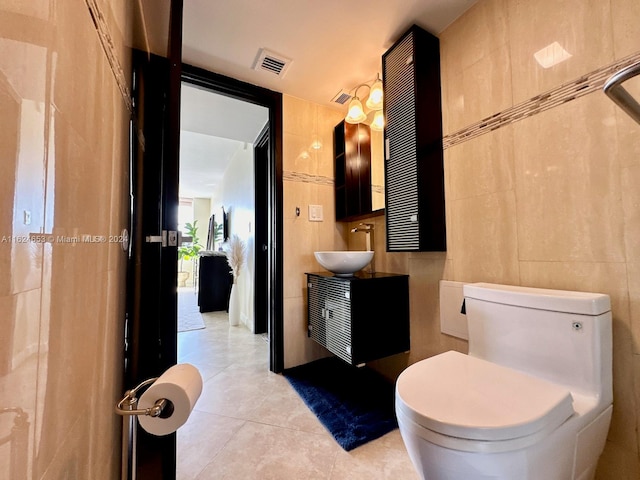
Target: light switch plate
{"points": [[315, 213]]}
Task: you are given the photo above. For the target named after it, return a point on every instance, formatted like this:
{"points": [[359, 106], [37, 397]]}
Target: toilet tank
{"points": [[562, 336]]}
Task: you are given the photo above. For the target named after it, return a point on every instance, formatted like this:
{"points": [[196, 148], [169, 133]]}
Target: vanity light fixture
{"points": [[378, 121], [374, 102], [355, 113]]}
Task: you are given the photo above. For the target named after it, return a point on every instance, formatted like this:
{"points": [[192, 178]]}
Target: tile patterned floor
{"points": [[250, 424]]}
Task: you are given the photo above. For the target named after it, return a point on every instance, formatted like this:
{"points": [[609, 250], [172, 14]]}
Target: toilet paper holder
{"points": [[127, 408], [168, 401], [128, 404]]}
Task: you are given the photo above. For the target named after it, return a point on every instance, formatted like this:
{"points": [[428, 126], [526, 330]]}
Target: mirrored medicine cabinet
{"points": [[359, 171]]}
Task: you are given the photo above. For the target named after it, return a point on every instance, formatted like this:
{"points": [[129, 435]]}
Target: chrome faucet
{"points": [[367, 229]]}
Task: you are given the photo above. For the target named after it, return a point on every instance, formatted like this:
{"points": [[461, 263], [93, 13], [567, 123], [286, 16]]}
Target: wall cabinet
{"points": [[360, 318], [414, 169], [352, 150]]}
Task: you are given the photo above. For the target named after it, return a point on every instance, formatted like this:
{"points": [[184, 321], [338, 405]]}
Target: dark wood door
{"points": [[263, 254], [151, 330]]}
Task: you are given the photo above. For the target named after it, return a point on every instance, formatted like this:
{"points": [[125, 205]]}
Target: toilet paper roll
{"points": [[181, 385]]}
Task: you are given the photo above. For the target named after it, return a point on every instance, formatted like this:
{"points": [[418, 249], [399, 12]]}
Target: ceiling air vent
{"points": [[271, 62], [341, 97]]}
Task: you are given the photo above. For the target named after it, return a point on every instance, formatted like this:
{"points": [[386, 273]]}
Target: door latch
{"points": [[172, 238], [168, 238]]}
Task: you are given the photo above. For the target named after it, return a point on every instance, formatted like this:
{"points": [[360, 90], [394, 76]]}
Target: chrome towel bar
{"points": [[614, 90]]}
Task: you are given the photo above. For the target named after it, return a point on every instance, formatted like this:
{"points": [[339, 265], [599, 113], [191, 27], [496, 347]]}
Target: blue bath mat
{"points": [[355, 404]]}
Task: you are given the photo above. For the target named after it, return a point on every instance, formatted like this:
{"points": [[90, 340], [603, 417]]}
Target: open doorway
{"points": [[217, 206], [242, 197], [268, 202]]}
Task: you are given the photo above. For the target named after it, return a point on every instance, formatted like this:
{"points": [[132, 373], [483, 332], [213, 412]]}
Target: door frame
{"points": [[239, 90]]}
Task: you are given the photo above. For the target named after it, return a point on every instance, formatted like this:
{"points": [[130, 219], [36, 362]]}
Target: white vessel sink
{"points": [[344, 264]]}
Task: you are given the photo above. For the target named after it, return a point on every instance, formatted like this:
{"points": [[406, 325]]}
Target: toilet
{"points": [[533, 398]]}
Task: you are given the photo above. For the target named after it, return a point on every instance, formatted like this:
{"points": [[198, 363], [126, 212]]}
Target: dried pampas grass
{"points": [[235, 250]]}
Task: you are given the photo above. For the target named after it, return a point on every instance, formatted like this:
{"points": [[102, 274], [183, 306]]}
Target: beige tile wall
{"points": [[548, 201], [64, 150], [308, 180]]}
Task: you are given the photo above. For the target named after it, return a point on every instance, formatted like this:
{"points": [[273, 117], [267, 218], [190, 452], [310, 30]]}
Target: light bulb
{"points": [[374, 102], [355, 113], [378, 121]]}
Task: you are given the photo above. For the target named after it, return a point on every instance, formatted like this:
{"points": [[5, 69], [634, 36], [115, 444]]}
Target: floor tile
{"points": [[261, 451], [200, 440], [249, 423], [377, 460]]}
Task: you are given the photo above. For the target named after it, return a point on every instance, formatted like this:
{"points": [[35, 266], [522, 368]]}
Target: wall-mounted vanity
{"points": [[359, 318], [399, 173]]}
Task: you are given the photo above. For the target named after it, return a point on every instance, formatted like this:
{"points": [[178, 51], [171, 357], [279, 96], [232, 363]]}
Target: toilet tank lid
{"points": [[583, 303]]}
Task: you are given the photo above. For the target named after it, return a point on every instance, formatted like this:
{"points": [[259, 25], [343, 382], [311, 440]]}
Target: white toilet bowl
{"points": [[463, 417]]}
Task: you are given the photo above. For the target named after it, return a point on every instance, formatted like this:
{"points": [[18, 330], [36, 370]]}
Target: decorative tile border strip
{"points": [[307, 178], [110, 51], [580, 87], [319, 180]]}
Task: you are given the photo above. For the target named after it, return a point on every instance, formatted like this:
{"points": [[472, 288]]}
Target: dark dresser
{"points": [[214, 283]]}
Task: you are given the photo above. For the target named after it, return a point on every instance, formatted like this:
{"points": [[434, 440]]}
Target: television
{"points": [[225, 225]]}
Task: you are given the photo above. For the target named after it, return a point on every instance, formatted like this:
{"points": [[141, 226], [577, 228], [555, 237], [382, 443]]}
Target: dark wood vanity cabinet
{"points": [[359, 318], [414, 169], [352, 150]]}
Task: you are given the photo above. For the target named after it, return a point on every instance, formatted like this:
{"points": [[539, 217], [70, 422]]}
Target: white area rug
{"points": [[189, 316]]}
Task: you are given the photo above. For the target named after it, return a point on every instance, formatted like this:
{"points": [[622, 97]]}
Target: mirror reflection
{"points": [[377, 170]]}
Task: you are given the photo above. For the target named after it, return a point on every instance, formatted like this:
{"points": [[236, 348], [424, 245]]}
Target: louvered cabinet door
{"points": [[329, 319], [337, 307], [316, 324], [401, 163], [414, 174]]}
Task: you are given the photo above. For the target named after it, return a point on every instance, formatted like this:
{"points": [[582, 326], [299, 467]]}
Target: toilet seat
{"points": [[475, 405]]}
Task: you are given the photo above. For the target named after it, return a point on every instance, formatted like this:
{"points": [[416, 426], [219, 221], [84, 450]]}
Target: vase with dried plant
{"points": [[236, 252]]}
